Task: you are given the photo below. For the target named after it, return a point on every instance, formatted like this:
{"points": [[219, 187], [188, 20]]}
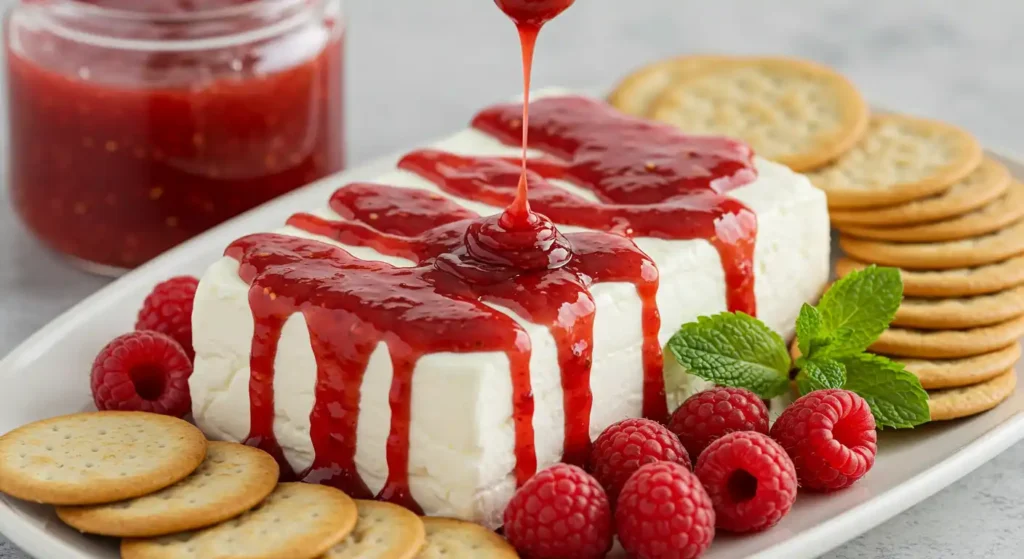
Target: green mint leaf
{"points": [[857, 309], [819, 374], [808, 328], [734, 349], [804, 383], [895, 395]]}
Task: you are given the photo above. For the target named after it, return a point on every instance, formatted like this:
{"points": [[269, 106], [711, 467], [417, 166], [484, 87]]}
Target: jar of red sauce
{"points": [[136, 124]]}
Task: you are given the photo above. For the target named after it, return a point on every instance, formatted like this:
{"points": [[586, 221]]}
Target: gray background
{"points": [[418, 69]]}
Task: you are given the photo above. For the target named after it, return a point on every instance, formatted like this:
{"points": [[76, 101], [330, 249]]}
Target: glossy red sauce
{"points": [[118, 155], [434, 307], [649, 180]]}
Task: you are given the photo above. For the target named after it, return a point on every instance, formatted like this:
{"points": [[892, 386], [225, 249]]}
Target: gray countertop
{"points": [[418, 70]]}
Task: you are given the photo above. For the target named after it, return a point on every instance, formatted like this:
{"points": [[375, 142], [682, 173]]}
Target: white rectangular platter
{"points": [[49, 375]]}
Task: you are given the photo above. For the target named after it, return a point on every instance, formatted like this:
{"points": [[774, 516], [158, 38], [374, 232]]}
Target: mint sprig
{"points": [[820, 374], [855, 311], [734, 349], [894, 394]]}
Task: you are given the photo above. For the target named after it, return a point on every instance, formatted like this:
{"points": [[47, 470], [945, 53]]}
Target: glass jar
{"points": [[134, 125]]}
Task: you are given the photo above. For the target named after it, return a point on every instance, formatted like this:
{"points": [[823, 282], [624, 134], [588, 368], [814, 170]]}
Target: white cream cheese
{"points": [[461, 444]]}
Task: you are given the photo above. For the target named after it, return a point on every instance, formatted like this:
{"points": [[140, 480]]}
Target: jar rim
{"points": [[80, 7], [274, 17]]}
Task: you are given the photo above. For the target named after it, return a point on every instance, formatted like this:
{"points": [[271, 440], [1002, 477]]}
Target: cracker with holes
{"points": [[986, 183], [637, 92], [383, 531], [98, 457], [994, 247], [900, 158], [948, 344], [953, 373], [791, 111], [448, 538], [233, 479], [957, 282], [961, 312], [990, 218], [297, 521]]}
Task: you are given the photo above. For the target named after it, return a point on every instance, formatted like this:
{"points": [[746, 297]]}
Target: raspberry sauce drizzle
{"points": [[350, 307], [529, 16], [650, 180], [437, 234], [653, 180], [558, 298]]}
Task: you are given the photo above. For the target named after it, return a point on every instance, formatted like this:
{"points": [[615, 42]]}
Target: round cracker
{"points": [[795, 112], [383, 531], [98, 457], [636, 93], [964, 253], [960, 282], [971, 400], [448, 538], [945, 344], [899, 159], [951, 373], [992, 217], [297, 520], [983, 185], [233, 479], [961, 312]]}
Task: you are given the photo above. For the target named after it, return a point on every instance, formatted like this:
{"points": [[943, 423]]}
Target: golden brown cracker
{"points": [[983, 185], [795, 112], [383, 531], [947, 344], [98, 457], [231, 480], [951, 373], [961, 282], [297, 521], [448, 538], [900, 158], [1001, 245], [960, 312], [637, 92], [990, 218], [965, 401]]}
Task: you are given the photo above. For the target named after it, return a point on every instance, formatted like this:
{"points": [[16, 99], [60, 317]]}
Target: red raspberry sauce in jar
{"points": [[137, 125]]}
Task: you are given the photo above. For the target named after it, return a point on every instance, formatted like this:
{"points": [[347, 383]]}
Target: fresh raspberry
{"points": [[664, 512], [560, 512], [625, 446], [142, 371], [830, 435], [750, 479], [168, 309], [708, 415]]}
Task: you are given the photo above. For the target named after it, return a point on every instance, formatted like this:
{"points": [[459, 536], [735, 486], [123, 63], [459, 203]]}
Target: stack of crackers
{"points": [[903, 191], [156, 482]]}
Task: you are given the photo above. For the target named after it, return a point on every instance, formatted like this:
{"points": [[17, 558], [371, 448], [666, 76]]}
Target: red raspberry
{"points": [[830, 434], [629, 444], [168, 309], [560, 512], [708, 415], [142, 371], [750, 479], [664, 512]]}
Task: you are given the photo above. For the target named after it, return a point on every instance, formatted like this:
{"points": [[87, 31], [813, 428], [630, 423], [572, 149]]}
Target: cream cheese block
{"points": [[462, 439]]}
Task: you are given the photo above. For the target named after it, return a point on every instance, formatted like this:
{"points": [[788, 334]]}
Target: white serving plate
{"points": [[48, 374]]}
